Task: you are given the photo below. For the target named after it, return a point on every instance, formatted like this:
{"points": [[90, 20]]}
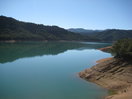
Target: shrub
{"points": [[122, 49]]}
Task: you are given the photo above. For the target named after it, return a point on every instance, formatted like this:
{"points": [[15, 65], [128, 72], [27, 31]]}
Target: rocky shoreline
{"points": [[112, 74]]}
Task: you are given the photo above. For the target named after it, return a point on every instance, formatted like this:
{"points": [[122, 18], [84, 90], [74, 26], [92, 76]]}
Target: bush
{"points": [[122, 49]]}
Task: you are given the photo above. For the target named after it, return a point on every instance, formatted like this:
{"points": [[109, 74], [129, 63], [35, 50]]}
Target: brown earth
{"points": [[102, 60], [112, 74], [106, 49]]}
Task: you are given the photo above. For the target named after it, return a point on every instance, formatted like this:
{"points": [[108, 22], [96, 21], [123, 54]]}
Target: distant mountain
{"points": [[83, 31], [108, 35], [12, 29], [112, 34]]}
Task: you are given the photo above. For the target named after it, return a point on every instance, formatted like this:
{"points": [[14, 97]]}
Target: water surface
{"points": [[48, 70]]}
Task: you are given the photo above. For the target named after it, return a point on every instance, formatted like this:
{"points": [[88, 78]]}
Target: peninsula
{"points": [[114, 74]]}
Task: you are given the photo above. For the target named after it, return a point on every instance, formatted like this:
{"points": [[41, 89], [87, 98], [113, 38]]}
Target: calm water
{"points": [[48, 70]]}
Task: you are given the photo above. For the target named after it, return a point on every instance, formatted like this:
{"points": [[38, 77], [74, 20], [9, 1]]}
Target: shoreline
{"points": [[103, 60], [14, 41], [113, 75]]}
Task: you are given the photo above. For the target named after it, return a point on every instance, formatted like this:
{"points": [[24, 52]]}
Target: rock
{"points": [[112, 74]]}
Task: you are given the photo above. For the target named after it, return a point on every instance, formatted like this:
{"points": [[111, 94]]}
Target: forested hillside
{"points": [[113, 34], [83, 31], [104, 35], [12, 29]]}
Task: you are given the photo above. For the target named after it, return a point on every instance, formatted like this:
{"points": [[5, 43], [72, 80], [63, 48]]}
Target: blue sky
{"points": [[89, 14]]}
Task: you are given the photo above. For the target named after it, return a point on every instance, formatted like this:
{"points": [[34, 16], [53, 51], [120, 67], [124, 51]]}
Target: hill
{"points": [[12, 29], [108, 35], [83, 31], [113, 34]]}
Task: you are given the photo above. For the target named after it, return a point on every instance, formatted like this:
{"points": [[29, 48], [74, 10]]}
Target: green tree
{"points": [[122, 49]]}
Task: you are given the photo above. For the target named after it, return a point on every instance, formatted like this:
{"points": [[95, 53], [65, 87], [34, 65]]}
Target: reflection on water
{"points": [[51, 74], [12, 51]]}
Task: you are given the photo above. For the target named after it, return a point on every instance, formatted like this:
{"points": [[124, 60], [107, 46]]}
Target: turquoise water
{"points": [[48, 70]]}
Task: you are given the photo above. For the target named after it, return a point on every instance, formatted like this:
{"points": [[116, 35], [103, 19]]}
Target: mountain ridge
{"points": [[15, 30], [108, 35], [12, 29], [83, 31]]}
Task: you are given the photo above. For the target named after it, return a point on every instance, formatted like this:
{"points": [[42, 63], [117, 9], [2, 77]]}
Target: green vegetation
{"points": [[113, 35], [83, 31], [11, 29], [123, 49], [109, 35]]}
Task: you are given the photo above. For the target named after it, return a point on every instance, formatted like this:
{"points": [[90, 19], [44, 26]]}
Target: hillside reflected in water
{"points": [[13, 51], [26, 75]]}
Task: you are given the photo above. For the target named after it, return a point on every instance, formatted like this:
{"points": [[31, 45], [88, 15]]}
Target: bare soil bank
{"points": [[113, 74], [106, 49]]}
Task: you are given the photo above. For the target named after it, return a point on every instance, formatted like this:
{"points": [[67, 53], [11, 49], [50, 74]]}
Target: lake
{"points": [[49, 70]]}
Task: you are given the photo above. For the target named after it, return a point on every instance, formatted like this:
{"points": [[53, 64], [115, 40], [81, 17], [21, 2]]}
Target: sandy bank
{"points": [[106, 49], [113, 74], [103, 60]]}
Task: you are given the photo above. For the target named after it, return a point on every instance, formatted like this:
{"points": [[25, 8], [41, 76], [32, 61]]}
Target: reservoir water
{"points": [[37, 70]]}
